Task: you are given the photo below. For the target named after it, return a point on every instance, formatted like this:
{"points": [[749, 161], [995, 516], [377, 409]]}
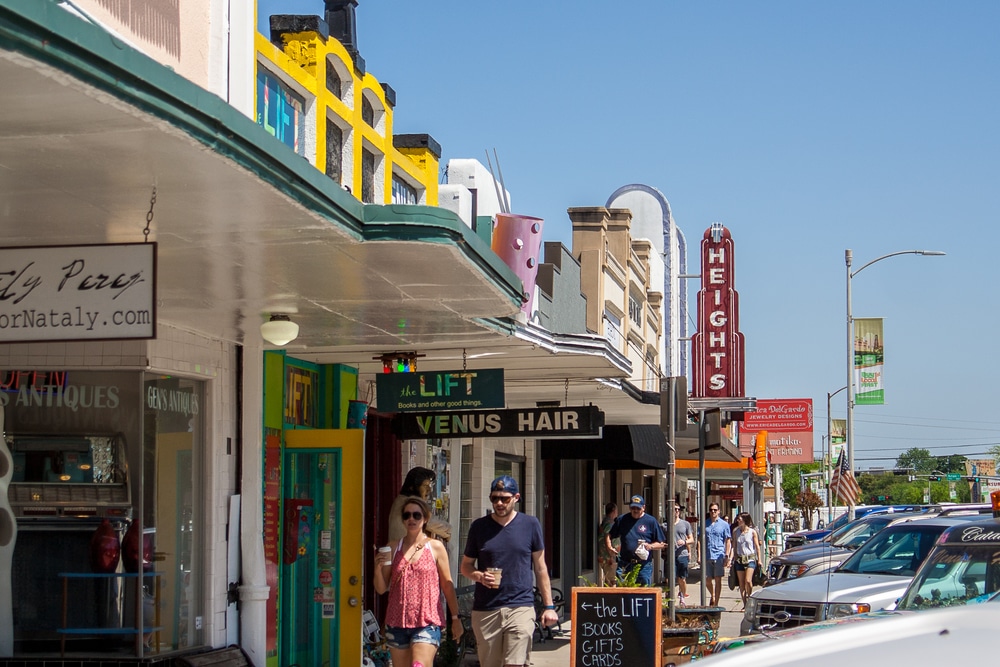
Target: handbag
{"points": [[759, 576], [734, 581]]}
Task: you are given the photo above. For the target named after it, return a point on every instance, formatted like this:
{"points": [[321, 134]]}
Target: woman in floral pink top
{"points": [[415, 572]]}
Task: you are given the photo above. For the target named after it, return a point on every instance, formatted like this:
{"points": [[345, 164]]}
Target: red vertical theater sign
{"points": [[717, 348]]}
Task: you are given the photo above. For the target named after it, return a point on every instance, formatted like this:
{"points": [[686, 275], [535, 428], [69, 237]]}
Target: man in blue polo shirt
{"points": [[637, 528]]}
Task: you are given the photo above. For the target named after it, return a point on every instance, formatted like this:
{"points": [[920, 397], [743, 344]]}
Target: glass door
{"points": [[308, 556], [320, 583]]}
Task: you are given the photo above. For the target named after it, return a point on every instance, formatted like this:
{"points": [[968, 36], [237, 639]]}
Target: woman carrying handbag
{"points": [[747, 547]]}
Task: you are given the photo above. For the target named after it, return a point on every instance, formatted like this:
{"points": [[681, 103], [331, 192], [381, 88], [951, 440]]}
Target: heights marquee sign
{"points": [[717, 348]]}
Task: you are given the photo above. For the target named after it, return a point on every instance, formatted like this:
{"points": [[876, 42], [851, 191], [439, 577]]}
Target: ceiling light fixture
{"points": [[279, 330]]}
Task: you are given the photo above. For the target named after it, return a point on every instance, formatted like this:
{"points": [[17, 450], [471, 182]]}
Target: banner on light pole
{"points": [[869, 360], [838, 432]]}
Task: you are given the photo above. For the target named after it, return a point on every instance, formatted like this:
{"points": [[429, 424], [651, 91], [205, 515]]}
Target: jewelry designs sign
{"points": [[789, 426], [86, 292]]}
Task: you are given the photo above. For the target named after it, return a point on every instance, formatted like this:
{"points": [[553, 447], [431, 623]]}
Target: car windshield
{"points": [[897, 550], [857, 533], [955, 575]]}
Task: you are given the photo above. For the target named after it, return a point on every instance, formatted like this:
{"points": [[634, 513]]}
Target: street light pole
{"points": [[848, 257], [829, 447]]}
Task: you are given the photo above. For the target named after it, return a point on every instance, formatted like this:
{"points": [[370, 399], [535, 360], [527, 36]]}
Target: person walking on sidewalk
{"points": [[747, 549], [415, 572], [607, 551], [501, 551], [639, 533], [683, 539], [718, 542]]}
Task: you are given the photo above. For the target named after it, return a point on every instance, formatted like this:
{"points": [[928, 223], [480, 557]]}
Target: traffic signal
{"points": [[760, 454], [934, 478]]}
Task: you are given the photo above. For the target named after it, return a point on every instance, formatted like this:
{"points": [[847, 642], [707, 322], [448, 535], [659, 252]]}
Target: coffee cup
{"points": [[497, 573], [383, 553]]}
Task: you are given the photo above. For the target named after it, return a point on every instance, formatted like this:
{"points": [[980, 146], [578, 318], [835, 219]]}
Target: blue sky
{"points": [[805, 127]]}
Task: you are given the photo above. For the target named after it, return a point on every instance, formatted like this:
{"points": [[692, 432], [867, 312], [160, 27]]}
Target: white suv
{"points": [[873, 578]]}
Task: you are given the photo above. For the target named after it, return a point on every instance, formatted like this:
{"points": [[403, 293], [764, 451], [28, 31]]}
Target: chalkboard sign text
{"points": [[613, 627]]}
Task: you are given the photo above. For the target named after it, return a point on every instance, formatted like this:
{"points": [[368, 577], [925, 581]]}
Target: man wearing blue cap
{"points": [[640, 534], [501, 551]]}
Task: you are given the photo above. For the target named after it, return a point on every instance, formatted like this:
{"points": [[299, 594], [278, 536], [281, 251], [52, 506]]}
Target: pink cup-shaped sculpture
{"points": [[517, 240]]}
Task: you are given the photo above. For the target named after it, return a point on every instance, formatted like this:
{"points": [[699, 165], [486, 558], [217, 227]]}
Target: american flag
{"points": [[843, 483]]}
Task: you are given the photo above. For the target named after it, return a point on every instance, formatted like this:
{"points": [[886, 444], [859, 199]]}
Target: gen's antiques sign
{"points": [[440, 390], [85, 292], [717, 349], [528, 423]]}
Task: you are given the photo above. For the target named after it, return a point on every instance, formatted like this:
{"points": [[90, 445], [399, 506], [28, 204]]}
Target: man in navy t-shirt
{"points": [[637, 528], [503, 609]]}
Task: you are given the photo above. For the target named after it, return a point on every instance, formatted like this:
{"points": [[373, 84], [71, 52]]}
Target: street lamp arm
{"points": [[898, 252], [849, 443]]}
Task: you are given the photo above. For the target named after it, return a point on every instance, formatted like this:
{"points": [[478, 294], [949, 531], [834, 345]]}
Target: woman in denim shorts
{"points": [[415, 572], [746, 545]]}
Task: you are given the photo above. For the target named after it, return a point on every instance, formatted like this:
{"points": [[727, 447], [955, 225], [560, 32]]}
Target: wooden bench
{"points": [[231, 656]]}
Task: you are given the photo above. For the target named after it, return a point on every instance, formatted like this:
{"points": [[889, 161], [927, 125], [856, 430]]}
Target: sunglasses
{"points": [[501, 499], [713, 509], [418, 515]]}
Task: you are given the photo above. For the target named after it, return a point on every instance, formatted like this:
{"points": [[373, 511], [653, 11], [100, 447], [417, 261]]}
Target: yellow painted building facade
{"points": [[321, 102]]}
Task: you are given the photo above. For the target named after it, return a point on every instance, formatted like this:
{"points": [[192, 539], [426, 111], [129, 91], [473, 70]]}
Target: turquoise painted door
{"points": [[310, 574]]}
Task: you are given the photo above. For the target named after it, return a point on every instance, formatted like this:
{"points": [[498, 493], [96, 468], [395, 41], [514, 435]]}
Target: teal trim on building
{"points": [[42, 30]]}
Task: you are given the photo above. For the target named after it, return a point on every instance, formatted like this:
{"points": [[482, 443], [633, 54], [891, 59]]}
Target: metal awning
{"points": [[244, 226], [621, 447], [634, 447]]}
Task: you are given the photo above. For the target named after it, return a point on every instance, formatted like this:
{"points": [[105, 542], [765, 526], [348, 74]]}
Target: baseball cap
{"points": [[505, 483], [637, 501]]}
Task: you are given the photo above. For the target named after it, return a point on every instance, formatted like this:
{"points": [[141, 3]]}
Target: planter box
{"points": [[692, 626]]}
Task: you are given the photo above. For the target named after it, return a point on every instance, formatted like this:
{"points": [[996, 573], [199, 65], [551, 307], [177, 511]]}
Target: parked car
{"points": [[803, 536], [831, 551], [962, 568], [871, 579], [938, 636]]}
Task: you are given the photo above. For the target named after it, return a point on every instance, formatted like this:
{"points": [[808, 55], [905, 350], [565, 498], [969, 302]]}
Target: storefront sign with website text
{"points": [[85, 292]]}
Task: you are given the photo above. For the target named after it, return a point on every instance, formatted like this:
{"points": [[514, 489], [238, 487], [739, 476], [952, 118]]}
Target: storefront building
{"points": [[106, 145]]}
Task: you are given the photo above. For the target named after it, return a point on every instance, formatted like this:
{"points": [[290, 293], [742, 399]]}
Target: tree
{"points": [[994, 452], [951, 463], [808, 501], [791, 480], [917, 459]]}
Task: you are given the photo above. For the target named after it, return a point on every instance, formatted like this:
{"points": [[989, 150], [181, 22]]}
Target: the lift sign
{"points": [[440, 390]]}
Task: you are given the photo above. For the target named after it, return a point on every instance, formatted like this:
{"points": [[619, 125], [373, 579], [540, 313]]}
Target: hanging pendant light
{"points": [[279, 330]]}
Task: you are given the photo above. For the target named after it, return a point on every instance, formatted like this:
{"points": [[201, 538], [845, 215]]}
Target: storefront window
{"points": [[107, 516], [172, 441]]}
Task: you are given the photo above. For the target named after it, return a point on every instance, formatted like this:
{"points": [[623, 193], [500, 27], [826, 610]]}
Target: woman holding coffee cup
{"points": [[415, 572]]}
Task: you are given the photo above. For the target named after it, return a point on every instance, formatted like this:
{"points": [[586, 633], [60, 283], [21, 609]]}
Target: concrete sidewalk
{"points": [[556, 652]]}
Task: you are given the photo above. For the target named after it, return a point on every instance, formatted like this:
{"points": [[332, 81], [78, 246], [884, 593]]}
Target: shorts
{"points": [[401, 638], [716, 567], [503, 636], [645, 576], [743, 567], [681, 563]]}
